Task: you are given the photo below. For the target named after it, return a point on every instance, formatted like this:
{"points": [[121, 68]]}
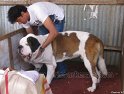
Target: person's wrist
{"points": [[41, 49]]}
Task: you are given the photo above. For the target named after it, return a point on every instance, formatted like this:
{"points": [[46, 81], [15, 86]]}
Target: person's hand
{"points": [[41, 49]]}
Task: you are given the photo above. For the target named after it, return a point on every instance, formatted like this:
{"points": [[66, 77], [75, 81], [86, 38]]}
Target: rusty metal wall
{"points": [[104, 21]]}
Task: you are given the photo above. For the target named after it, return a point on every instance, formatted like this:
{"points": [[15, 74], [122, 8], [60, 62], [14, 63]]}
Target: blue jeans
{"points": [[61, 66]]}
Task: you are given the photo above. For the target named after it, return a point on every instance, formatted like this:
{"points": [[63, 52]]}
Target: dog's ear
{"points": [[33, 43]]}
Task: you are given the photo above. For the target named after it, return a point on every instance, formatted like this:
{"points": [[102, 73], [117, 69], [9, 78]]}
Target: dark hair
{"points": [[15, 12]]}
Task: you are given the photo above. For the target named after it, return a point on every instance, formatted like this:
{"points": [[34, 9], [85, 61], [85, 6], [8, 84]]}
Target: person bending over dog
{"points": [[47, 16]]}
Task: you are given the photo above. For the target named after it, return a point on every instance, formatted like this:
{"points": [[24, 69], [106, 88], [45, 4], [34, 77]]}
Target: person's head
{"points": [[18, 13]]}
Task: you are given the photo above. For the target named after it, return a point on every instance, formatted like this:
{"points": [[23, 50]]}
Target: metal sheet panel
{"points": [[5, 26], [4, 54], [107, 25]]}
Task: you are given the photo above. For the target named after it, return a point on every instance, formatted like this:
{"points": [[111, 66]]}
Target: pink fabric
{"points": [[6, 81]]}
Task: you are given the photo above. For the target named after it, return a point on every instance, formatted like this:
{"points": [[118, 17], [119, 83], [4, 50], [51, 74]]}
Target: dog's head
{"points": [[28, 45]]}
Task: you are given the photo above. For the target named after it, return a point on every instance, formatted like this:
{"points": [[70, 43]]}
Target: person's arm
{"points": [[52, 32], [29, 30]]}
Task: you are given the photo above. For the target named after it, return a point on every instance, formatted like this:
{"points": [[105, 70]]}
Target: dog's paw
{"points": [[91, 89]]}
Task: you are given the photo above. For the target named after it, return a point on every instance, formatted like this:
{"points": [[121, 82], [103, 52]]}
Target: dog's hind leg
{"points": [[92, 70], [90, 62]]}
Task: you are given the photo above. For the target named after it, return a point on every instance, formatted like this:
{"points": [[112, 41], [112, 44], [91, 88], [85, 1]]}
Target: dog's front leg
{"points": [[50, 72]]}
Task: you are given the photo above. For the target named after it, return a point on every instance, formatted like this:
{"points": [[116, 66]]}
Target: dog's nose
{"points": [[20, 47]]}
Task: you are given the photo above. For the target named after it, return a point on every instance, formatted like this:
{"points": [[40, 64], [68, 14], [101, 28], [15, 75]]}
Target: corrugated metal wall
{"points": [[5, 26], [106, 23]]}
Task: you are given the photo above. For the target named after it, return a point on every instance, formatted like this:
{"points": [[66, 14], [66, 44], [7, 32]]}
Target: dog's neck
{"points": [[36, 54], [42, 38]]}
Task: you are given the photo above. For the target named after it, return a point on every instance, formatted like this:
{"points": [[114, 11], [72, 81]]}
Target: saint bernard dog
{"points": [[67, 45]]}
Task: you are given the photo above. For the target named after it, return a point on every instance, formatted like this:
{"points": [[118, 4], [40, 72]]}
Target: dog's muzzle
{"points": [[24, 56]]}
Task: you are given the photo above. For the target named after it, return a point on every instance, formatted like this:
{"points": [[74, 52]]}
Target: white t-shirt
{"points": [[40, 11]]}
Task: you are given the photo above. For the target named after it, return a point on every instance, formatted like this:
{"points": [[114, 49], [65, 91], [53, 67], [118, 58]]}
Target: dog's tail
{"points": [[102, 66], [101, 62]]}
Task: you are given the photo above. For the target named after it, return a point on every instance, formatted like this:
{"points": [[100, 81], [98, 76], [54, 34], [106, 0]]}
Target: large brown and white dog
{"points": [[67, 45]]}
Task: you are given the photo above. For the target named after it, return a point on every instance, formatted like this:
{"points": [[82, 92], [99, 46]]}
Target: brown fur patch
{"points": [[65, 43], [94, 47]]}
